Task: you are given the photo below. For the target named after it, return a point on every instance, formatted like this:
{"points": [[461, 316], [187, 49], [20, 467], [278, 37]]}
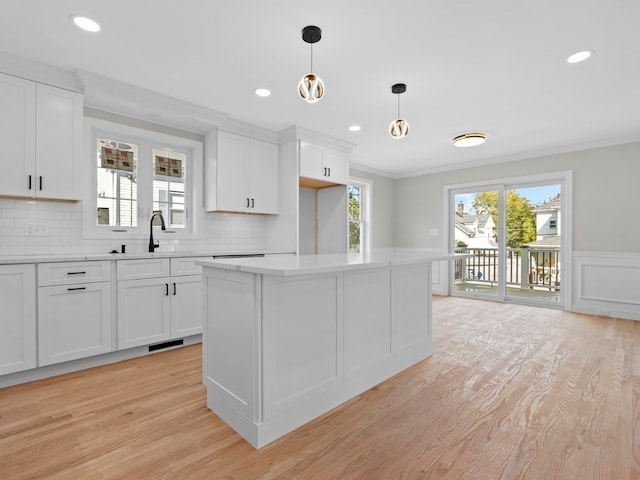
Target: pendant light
{"points": [[399, 128], [311, 87]]}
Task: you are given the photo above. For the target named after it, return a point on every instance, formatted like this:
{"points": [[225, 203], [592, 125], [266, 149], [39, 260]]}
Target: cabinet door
{"points": [[18, 318], [337, 169], [143, 312], [186, 306], [58, 143], [233, 152], [263, 177], [17, 135], [311, 164], [74, 321]]}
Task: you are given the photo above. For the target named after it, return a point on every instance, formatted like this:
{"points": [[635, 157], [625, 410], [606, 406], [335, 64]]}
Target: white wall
{"points": [[606, 197]]}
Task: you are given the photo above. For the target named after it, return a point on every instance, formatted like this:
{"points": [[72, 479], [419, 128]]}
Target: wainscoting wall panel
{"points": [[607, 284]]}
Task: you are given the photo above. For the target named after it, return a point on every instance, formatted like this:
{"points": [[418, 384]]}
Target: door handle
{"points": [[329, 169], [29, 182], [174, 288], [247, 202], [41, 182], [253, 203], [166, 289]]}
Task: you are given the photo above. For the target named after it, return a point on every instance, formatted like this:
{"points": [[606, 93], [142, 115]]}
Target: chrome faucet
{"points": [[153, 245]]}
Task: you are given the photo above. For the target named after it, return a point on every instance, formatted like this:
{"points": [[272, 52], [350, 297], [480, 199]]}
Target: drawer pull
{"points": [[76, 273], [76, 288]]}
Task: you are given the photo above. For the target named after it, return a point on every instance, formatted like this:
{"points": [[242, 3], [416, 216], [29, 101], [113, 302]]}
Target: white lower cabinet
{"points": [[18, 318], [74, 310], [158, 300], [143, 312]]}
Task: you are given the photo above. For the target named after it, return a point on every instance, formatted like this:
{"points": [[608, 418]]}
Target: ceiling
{"points": [[493, 66]]}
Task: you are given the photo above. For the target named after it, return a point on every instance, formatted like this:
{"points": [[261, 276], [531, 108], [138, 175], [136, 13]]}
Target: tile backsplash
{"points": [[63, 224]]}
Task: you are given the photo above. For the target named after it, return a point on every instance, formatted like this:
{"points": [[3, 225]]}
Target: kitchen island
{"points": [[288, 338]]}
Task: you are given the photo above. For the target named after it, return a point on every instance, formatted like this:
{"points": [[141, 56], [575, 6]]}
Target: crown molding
{"points": [[121, 98], [38, 72], [299, 133]]}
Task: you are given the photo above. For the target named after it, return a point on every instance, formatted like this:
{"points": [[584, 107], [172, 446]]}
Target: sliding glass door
{"points": [[513, 234]]}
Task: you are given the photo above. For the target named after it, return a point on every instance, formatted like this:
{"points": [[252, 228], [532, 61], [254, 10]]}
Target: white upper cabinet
{"points": [[324, 164], [246, 175], [41, 134]]}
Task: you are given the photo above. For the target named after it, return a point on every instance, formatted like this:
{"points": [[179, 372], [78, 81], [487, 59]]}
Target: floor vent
{"points": [[160, 346]]}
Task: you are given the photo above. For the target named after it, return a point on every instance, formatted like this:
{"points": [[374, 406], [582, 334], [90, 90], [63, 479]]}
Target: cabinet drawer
{"points": [[66, 273], [146, 268], [186, 266]]}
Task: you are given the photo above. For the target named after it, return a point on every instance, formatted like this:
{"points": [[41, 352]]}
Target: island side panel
{"points": [[411, 310], [231, 342], [367, 321], [302, 339]]}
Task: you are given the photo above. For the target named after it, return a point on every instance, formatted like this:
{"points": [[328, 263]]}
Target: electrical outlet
{"points": [[36, 230]]}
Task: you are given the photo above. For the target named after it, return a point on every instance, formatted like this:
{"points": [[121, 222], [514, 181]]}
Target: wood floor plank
{"points": [[511, 392]]}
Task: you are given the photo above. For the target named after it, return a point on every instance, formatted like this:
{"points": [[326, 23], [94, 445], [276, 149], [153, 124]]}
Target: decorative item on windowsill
{"points": [[311, 87], [399, 128]]}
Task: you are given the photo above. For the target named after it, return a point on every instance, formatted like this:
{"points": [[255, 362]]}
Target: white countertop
{"points": [[289, 265], [81, 257]]}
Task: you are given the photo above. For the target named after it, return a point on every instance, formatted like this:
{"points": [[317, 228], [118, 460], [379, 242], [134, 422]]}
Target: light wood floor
{"points": [[511, 392]]}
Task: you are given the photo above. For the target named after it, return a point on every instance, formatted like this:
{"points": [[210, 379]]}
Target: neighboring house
{"points": [[475, 231], [548, 224]]}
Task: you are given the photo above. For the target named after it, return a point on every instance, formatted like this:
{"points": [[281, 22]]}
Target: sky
{"points": [[535, 195]]}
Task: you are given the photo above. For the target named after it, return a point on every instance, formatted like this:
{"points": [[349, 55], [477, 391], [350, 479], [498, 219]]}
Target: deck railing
{"points": [[534, 267]]}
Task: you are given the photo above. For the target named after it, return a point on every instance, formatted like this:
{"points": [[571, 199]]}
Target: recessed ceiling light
{"points": [[579, 56], [354, 128], [85, 23], [262, 92], [469, 139]]}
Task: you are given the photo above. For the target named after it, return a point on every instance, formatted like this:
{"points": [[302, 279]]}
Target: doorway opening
{"points": [[514, 234]]}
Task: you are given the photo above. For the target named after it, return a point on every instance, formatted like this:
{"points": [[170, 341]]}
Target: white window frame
{"points": [[366, 200], [146, 141]]}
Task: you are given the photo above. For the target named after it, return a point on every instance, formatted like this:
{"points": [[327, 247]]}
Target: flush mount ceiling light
{"points": [[580, 56], [354, 128], [469, 140], [85, 23], [399, 128], [311, 87]]}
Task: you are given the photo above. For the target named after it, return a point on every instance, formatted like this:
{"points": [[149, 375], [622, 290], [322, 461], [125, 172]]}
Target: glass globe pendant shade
{"points": [[399, 128], [311, 88]]}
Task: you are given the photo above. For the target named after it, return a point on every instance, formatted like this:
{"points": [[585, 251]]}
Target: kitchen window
{"points": [[138, 173]]}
